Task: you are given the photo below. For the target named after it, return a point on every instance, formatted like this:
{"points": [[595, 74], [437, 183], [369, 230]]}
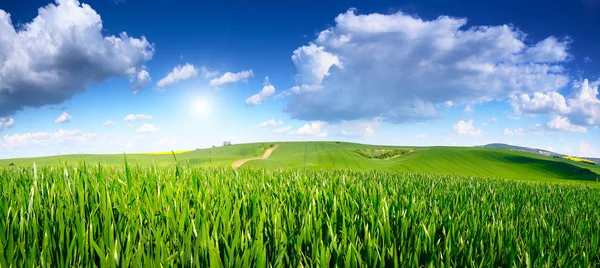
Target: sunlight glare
{"points": [[201, 106]]}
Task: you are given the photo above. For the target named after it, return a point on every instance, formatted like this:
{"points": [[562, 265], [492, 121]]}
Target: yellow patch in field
{"points": [[577, 159]]}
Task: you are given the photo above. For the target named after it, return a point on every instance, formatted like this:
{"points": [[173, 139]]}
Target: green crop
{"points": [[219, 217]]}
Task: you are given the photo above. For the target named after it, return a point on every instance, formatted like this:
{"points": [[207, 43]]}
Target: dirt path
{"points": [[266, 155]]}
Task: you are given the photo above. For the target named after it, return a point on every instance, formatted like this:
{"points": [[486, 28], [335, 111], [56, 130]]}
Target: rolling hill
{"points": [[533, 151], [464, 161]]}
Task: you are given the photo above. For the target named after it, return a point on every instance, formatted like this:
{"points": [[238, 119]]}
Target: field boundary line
{"points": [[266, 155]]}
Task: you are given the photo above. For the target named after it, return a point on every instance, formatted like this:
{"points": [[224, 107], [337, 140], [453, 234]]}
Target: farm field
{"points": [[463, 161], [212, 216]]}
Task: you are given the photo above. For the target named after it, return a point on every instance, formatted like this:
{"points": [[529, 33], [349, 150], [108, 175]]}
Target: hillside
{"points": [[533, 151], [464, 161]]}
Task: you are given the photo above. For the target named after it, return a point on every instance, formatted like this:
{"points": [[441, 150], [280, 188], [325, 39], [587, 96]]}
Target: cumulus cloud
{"points": [[6, 122], [146, 128], [228, 78], [582, 108], [562, 123], [551, 102], [63, 118], [548, 50], [313, 64], [178, 73], [50, 59], [402, 67], [271, 123], [585, 105], [133, 117], [109, 123], [139, 81], [315, 128], [466, 128], [515, 132], [267, 91], [46, 138]]}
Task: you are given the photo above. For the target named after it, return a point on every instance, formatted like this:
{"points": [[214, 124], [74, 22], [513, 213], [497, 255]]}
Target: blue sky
{"points": [[105, 76]]}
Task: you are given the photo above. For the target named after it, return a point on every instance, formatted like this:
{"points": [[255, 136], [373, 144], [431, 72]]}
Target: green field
{"points": [[219, 217], [309, 204], [464, 161]]}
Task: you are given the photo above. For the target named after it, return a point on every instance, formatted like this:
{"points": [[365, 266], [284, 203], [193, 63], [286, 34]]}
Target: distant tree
{"points": [[214, 146], [226, 143], [11, 164]]}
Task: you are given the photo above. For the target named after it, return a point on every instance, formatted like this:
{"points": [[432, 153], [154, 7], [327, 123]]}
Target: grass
{"points": [[133, 215], [168, 153], [218, 156], [463, 161]]}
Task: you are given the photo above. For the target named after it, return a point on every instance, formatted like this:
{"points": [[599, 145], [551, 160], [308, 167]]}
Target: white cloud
{"points": [[587, 59], [551, 102], [315, 128], [313, 63], [109, 123], [468, 109], [271, 123], [63, 118], [145, 128], [492, 120], [548, 50], [132, 117], [228, 78], [582, 108], [367, 65], [178, 73], [46, 138], [60, 52], [515, 132], [6, 122], [562, 123], [466, 128], [284, 129], [420, 136], [585, 104], [139, 81], [448, 103], [299, 90], [266, 92]]}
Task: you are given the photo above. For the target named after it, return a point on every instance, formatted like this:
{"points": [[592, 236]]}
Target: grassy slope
{"points": [[221, 156], [434, 160]]}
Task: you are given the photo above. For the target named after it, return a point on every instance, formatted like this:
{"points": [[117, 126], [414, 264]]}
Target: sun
{"points": [[201, 106]]}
